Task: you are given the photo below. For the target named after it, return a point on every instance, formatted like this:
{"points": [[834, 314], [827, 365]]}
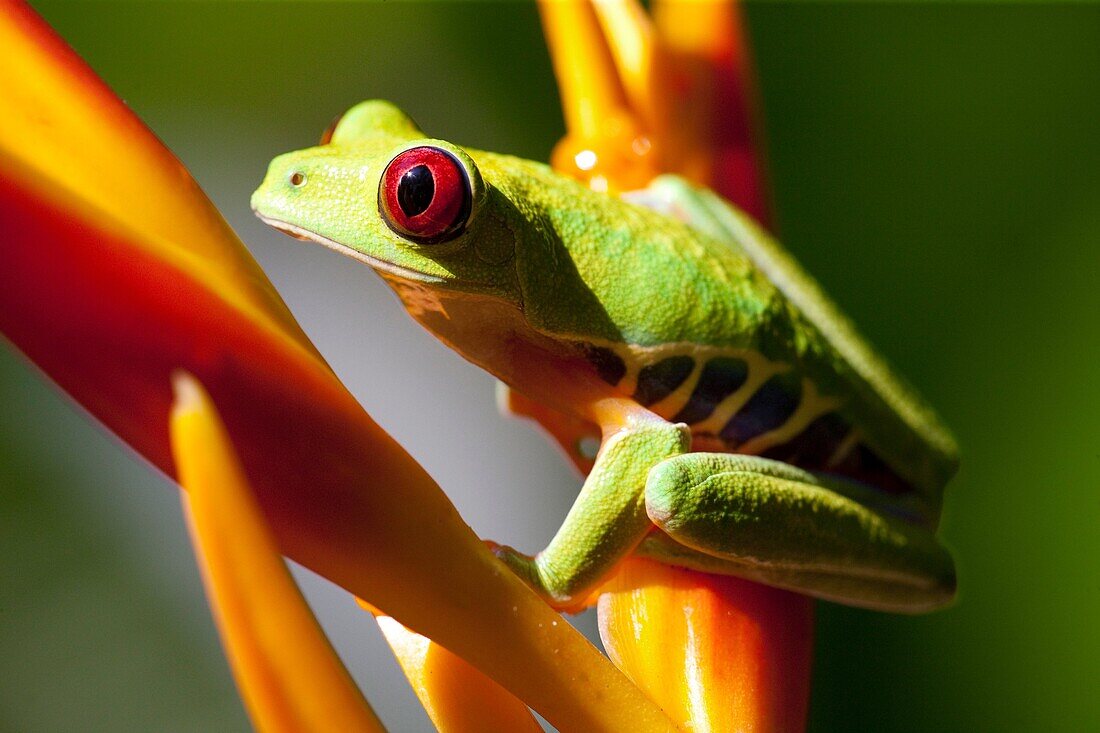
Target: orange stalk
{"points": [[289, 676], [588, 82], [607, 145], [457, 697], [633, 43]]}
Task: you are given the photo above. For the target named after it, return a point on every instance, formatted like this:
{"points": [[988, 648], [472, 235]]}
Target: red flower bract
{"points": [[117, 272]]}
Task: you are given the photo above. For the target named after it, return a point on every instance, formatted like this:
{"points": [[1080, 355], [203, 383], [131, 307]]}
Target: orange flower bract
{"points": [[118, 272], [289, 676], [720, 653]]}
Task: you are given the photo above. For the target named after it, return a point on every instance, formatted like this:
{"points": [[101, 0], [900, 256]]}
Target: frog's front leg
{"points": [[608, 519], [772, 522]]}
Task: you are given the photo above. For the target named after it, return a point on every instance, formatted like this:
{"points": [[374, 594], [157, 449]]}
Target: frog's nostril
{"points": [[297, 179]]}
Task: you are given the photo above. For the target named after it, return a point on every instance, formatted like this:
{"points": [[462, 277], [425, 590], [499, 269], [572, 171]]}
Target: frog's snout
{"points": [[285, 179], [286, 175], [266, 205]]}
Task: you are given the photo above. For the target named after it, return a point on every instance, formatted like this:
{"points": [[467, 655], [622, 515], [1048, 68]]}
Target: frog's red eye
{"points": [[424, 195]]}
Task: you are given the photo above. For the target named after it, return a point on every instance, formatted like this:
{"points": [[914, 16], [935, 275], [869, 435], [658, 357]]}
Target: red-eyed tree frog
{"points": [[745, 427]]}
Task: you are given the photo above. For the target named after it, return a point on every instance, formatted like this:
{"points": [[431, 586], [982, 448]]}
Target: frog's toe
{"points": [[520, 564]]}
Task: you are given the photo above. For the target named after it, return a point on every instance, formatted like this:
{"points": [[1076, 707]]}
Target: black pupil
{"points": [[415, 190]]}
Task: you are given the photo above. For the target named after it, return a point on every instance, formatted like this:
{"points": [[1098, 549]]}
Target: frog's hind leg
{"points": [[772, 522]]}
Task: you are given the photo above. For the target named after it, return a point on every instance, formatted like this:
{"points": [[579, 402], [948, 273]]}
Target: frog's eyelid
{"points": [[326, 136]]}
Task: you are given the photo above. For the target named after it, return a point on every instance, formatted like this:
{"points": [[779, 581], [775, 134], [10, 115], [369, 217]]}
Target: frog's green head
{"points": [[414, 208]]}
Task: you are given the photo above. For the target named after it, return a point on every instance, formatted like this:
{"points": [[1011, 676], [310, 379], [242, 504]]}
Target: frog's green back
{"points": [[597, 266], [908, 429], [632, 283]]}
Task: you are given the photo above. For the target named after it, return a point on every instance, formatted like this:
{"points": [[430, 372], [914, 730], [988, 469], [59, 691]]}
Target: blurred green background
{"points": [[936, 166]]}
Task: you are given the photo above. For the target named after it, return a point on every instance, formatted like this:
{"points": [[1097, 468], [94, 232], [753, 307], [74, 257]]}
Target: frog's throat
{"points": [[303, 234]]}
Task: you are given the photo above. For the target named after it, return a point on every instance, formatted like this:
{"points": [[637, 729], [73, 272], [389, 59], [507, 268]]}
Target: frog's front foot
{"points": [[520, 564], [530, 572]]}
